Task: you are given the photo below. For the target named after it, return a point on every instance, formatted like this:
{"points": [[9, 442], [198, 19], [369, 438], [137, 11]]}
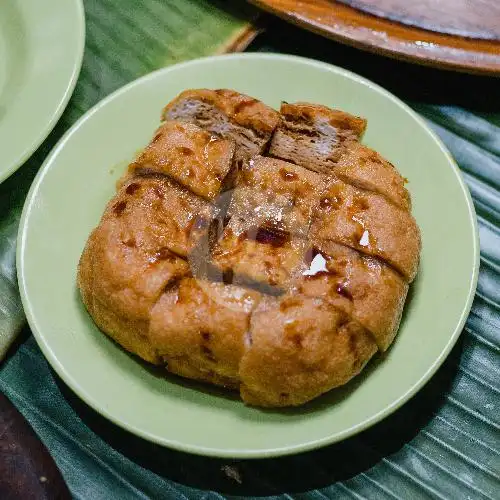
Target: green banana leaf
{"points": [[125, 40]]}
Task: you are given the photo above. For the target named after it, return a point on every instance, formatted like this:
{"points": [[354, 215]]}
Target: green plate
{"points": [[41, 50], [68, 197]]}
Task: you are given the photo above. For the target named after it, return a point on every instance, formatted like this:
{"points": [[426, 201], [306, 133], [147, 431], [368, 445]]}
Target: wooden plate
{"points": [[405, 39]]}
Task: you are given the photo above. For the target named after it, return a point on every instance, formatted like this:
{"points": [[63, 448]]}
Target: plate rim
{"points": [[244, 453], [354, 30], [58, 110]]}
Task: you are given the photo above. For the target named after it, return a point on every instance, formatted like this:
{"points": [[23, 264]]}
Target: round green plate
{"points": [[71, 190], [41, 50]]}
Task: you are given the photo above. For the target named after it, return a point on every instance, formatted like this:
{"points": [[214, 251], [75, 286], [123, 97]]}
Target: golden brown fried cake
{"points": [[369, 223], [275, 193], [364, 168], [283, 288], [314, 136], [245, 120], [258, 255], [200, 326], [300, 348], [163, 212], [127, 262], [190, 155], [364, 287]]}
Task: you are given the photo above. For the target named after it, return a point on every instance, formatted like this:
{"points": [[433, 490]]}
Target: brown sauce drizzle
{"points": [[288, 176], [289, 302], [132, 188], [360, 203], [156, 138], [130, 242], [185, 151], [297, 340], [158, 192], [330, 202], [342, 290], [119, 207], [228, 277], [267, 236]]}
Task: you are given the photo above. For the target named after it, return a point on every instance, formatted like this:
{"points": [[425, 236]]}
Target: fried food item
{"points": [[366, 169], [370, 224], [327, 141], [314, 136], [283, 287], [229, 114], [300, 348], [128, 261], [160, 210], [363, 287], [191, 156], [200, 327], [258, 256], [276, 194]]}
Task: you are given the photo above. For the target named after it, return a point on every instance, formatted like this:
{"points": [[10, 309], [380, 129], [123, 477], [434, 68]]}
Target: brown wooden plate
{"points": [[399, 31]]}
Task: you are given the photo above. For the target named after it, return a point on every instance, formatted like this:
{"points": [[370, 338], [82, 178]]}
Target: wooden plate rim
{"points": [[382, 36]]}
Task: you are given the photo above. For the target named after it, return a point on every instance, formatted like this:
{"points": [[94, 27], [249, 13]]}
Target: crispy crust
{"points": [[364, 168], [278, 194], [301, 348], [314, 136], [364, 287], [370, 224], [197, 159], [302, 281], [239, 108], [229, 114]]}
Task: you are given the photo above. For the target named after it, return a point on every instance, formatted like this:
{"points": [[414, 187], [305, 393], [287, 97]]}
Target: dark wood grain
{"points": [[27, 471], [472, 18], [382, 36]]}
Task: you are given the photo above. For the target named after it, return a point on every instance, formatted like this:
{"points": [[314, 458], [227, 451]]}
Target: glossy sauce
{"points": [[267, 236], [130, 242], [342, 290], [185, 151], [132, 188], [119, 207], [330, 203], [162, 254], [288, 176]]}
